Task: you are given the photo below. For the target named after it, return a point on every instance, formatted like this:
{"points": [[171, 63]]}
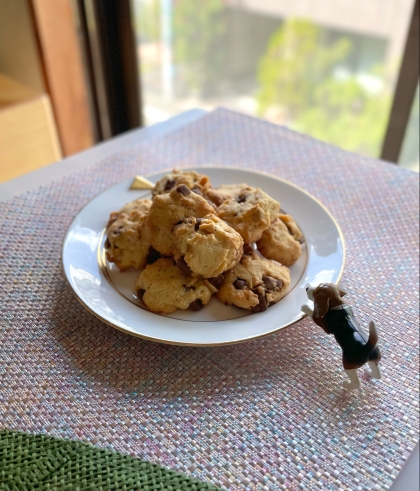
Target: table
{"points": [[254, 418]]}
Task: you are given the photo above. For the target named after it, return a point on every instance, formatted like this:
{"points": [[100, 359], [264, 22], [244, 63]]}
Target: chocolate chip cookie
{"points": [[207, 246], [281, 241], [163, 287], [255, 283], [136, 210], [168, 210], [224, 192], [249, 213], [125, 245], [198, 183]]}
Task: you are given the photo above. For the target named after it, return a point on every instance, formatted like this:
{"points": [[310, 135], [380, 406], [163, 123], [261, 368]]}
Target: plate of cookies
{"points": [[202, 257]]}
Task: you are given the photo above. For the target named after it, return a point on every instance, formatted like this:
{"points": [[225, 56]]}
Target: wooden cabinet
{"points": [[28, 134], [44, 95]]}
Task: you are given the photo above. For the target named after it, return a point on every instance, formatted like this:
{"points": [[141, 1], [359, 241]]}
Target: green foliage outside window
{"points": [[298, 75], [199, 31], [147, 20], [299, 86]]}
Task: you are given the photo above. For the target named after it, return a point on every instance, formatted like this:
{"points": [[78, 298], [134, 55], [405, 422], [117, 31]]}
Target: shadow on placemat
{"points": [[103, 356], [39, 462]]}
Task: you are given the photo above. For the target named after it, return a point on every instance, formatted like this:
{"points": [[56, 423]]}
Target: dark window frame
{"points": [[108, 42], [404, 94]]}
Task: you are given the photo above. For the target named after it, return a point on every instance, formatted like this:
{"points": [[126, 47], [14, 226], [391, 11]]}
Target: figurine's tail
{"points": [[373, 335]]}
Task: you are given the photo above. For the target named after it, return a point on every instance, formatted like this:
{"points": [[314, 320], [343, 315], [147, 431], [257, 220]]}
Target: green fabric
{"points": [[39, 462]]}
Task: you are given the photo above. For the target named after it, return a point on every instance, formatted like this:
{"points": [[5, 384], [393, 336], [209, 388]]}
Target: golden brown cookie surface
{"points": [[199, 183], [169, 209], [163, 287], [281, 241], [125, 244], [249, 213], [255, 283], [207, 245], [224, 192]]}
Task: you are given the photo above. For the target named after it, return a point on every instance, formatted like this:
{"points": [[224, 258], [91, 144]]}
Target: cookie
{"points": [[224, 192], [136, 210], [255, 283], [163, 287], [125, 245], [198, 183], [207, 246], [169, 209], [290, 223], [281, 241], [249, 213]]}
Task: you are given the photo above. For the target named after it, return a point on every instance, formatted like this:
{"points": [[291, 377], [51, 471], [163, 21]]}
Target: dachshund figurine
{"points": [[337, 318]]}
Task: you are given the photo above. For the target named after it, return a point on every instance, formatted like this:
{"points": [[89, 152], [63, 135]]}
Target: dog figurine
{"points": [[337, 318]]}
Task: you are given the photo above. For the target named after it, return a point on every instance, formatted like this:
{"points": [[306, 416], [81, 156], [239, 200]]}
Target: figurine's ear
{"points": [[341, 292], [321, 304]]}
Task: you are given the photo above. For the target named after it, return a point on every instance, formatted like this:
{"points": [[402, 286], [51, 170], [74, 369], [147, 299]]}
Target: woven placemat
{"points": [[38, 462], [267, 414]]}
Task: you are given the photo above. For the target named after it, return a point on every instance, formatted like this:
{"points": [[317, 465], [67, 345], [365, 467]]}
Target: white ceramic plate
{"points": [[110, 295]]}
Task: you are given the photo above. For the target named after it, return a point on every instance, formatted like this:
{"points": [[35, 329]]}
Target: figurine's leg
{"points": [[373, 370], [307, 310], [354, 380]]}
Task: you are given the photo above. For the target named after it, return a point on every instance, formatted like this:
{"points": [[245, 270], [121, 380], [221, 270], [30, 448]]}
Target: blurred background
{"points": [[74, 73]]}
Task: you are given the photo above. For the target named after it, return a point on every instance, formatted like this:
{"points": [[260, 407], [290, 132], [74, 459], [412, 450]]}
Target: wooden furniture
{"points": [[28, 136], [44, 92], [55, 24]]}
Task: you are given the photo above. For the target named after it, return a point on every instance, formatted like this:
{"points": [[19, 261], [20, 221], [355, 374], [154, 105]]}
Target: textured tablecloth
{"points": [[267, 414]]}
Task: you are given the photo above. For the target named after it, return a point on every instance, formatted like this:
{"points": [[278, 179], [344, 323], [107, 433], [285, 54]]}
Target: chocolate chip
{"points": [[197, 190], [241, 199], [262, 304], [196, 305], [183, 266], [117, 231], [248, 250], [183, 189], [272, 284], [217, 281], [239, 284], [269, 282], [197, 223], [254, 249], [140, 293], [152, 256], [216, 200], [170, 183], [107, 244]]}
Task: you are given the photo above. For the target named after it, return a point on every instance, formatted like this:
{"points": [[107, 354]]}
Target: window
{"points": [[325, 68]]}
